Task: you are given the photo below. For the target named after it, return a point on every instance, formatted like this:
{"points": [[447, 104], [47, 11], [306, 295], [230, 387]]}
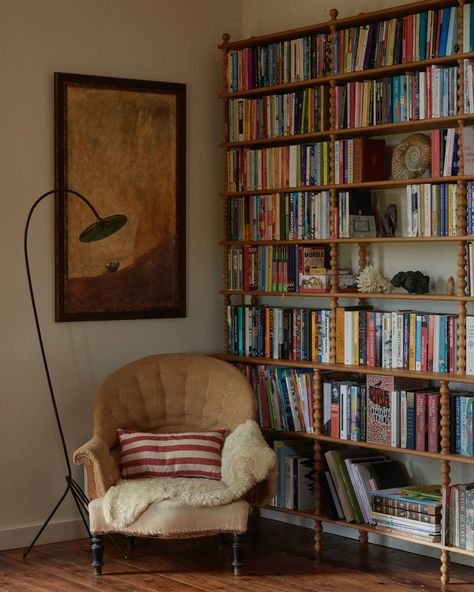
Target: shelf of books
{"points": [[356, 132]]}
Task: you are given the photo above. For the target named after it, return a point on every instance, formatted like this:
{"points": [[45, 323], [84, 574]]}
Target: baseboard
{"points": [[373, 539], [13, 538]]}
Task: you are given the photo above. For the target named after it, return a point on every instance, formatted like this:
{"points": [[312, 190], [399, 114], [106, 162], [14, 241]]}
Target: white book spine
{"points": [[348, 338], [395, 407], [470, 345]]}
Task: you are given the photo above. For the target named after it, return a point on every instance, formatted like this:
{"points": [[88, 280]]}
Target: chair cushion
{"points": [[188, 454], [171, 519]]}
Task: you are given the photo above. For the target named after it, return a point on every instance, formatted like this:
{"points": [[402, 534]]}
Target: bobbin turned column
{"points": [[445, 467], [318, 461]]}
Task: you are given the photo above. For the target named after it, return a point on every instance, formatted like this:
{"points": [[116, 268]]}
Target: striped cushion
{"points": [[190, 454]]}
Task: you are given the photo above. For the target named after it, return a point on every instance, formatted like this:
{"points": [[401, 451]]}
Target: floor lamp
{"points": [[100, 229]]}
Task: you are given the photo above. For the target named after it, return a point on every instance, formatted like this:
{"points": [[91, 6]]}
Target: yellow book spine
{"points": [[355, 331], [412, 343]]}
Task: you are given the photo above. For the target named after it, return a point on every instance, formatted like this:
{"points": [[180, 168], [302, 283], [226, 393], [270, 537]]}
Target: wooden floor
{"points": [[278, 557]]}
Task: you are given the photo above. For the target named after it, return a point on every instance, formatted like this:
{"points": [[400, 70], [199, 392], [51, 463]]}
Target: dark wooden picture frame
{"points": [[122, 144]]}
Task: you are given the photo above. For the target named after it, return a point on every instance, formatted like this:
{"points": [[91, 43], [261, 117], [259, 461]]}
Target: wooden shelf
{"points": [[385, 184], [365, 296], [378, 239], [371, 446], [462, 378], [276, 140], [368, 528]]}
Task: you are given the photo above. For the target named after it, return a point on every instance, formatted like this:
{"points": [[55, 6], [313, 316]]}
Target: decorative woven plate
{"points": [[411, 157]]}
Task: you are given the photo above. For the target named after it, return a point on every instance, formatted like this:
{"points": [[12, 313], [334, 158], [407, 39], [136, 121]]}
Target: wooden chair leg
{"points": [[97, 554], [238, 547]]}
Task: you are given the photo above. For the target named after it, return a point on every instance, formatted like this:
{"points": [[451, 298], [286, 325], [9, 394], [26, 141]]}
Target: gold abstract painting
{"points": [[121, 144]]}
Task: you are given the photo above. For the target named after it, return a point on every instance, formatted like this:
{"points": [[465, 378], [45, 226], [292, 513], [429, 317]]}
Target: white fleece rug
{"points": [[246, 460]]}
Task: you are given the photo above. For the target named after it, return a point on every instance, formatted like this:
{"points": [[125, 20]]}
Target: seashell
{"points": [[411, 157]]}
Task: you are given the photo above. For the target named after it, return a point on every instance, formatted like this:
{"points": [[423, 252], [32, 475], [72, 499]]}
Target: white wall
{"points": [[439, 261], [168, 40]]}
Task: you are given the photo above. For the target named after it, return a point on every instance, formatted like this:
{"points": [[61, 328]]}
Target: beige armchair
{"points": [[167, 393]]}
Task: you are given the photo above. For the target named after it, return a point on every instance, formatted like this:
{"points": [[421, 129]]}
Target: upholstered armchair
{"points": [[169, 393]]}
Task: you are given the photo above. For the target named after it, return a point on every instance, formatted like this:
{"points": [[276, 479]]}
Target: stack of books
{"points": [[413, 511], [278, 63], [462, 420], [284, 396], [444, 152], [401, 40], [458, 516], [431, 209], [470, 208], [282, 216], [301, 112], [278, 167], [408, 97]]}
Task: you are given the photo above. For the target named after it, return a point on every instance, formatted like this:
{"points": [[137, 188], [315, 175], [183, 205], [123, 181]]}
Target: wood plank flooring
{"points": [[278, 557]]}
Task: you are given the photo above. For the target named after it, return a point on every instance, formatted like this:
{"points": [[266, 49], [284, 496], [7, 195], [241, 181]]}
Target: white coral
{"points": [[370, 281]]}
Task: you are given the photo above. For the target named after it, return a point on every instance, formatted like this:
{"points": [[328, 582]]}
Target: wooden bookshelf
{"points": [[461, 300]]}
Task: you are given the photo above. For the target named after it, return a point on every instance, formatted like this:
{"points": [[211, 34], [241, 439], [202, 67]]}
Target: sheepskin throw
{"points": [[246, 460]]}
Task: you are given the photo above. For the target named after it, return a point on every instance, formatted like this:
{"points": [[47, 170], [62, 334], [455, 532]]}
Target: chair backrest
{"points": [[172, 393]]}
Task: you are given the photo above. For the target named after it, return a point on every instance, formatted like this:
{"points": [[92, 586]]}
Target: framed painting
{"points": [[121, 144]]}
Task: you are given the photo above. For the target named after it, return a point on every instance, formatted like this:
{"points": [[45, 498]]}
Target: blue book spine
{"points": [[469, 210], [418, 342], [422, 35], [444, 32], [396, 99], [463, 424], [457, 448], [443, 330]]}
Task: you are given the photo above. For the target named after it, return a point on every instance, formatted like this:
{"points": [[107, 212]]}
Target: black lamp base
{"points": [[81, 501]]}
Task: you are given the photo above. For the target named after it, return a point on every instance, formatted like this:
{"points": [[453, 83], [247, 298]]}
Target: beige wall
{"points": [[169, 40]]}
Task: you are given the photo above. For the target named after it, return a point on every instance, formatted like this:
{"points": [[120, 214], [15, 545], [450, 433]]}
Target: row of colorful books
{"points": [[431, 210], [414, 37], [283, 269], [280, 216], [458, 516], [368, 412], [278, 63], [412, 96], [406, 340], [295, 484], [414, 511], [284, 396], [281, 166], [301, 112], [279, 333]]}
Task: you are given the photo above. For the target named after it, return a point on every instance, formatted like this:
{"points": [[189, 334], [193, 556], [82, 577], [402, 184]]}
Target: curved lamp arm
{"points": [[99, 222]]}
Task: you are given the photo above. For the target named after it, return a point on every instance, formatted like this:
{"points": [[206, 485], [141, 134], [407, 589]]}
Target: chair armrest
{"points": [[101, 466], [263, 492]]}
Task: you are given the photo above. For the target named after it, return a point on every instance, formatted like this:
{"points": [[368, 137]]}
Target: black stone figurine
{"points": [[414, 282]]}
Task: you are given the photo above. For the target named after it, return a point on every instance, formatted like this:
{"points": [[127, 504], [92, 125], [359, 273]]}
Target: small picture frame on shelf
{"points": [[362, 227]]}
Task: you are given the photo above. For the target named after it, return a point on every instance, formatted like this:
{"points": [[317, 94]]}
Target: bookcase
{"points": [[298, 71]]}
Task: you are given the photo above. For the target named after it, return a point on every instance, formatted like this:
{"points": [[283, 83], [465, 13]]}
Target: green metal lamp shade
{"points": [[102, 228]]}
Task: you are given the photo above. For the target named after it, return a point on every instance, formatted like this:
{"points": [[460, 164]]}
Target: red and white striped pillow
{"points": [[190, 454]]}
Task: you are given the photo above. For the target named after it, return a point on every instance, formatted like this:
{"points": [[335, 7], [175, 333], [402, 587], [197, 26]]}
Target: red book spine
{"points": [[352, 104], [438, 32], [429, 361], [404, 40], [245, 257], [410, 39], [435, 146], [420, 408], [371, 339], [429, 103], [335, 420], [433, 421]]}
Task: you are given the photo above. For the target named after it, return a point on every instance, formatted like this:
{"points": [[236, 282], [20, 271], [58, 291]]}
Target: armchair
{"points": [[167, 393]]}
